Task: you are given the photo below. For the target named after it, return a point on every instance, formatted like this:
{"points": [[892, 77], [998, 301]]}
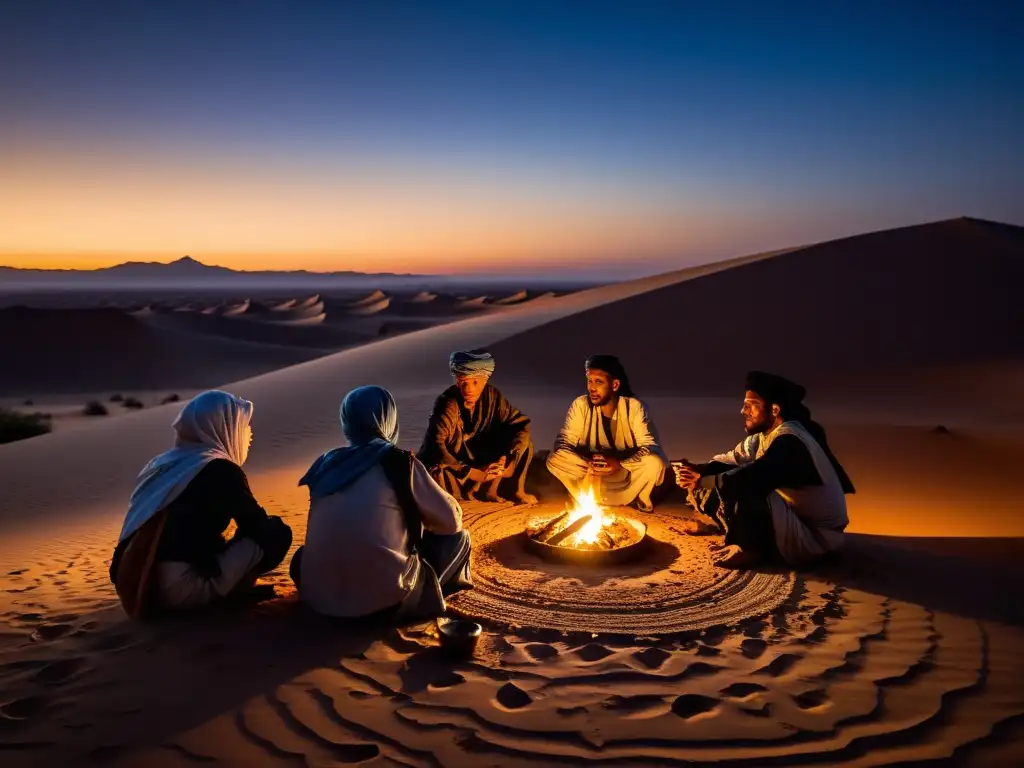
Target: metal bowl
{"points": [[459, 637], [591, 557]]}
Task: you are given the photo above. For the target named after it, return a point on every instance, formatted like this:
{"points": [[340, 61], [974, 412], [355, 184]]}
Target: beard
{"points": [[758, 427], [600, 401]]}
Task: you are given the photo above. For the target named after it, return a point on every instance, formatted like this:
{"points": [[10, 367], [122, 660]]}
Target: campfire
{"points": [[585, 531]]}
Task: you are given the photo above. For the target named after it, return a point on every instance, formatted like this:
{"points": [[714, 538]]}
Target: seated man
{"points": [[608, 434], [778, 495], [477, 442]]}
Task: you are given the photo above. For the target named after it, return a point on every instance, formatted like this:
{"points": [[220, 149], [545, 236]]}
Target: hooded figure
{"points": [[779, 494], [382, 539], [171, 552]]}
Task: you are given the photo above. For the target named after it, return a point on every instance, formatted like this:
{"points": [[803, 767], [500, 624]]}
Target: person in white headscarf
{"points": [[171, 553], [383, 539]]}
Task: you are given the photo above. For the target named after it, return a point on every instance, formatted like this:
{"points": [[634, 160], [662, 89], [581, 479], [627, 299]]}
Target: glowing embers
{"points": [[587, 533]]}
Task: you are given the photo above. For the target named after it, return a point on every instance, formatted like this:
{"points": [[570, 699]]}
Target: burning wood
{"points": [[573, 528]]}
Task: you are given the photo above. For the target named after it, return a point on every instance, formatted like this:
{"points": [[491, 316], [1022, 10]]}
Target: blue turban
{"points": [[369, 420], [474, 363]]}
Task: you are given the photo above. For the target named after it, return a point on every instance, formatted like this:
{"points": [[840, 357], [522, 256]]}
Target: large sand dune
{"points": [[52, 351], [929, 296], [907, 649]]}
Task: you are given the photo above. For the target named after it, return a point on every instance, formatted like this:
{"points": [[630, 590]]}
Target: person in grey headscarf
{"points": [[171, 553], [477, 443], [383, 539]]}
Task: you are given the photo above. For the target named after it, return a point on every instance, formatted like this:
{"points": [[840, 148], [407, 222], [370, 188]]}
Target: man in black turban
{"points": [[608, 435], [778, 495]]}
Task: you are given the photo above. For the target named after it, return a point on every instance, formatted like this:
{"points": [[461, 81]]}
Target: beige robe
{"points": [[634, 442]]}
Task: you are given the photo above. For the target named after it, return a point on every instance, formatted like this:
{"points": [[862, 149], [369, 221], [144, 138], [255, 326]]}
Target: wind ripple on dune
{"points": [[883, 681]]}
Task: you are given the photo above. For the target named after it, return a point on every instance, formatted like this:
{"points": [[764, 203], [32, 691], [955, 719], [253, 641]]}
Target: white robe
{"points": [[634, 441]]}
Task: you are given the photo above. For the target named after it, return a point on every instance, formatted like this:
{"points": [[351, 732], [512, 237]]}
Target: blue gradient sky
{"points": [[440, 138]]}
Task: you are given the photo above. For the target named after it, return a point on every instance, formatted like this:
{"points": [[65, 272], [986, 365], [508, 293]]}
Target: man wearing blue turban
{"points": [[477, 442]]}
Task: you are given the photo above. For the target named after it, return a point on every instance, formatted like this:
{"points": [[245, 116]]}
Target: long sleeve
{"points": [[713, 468], [573, 431], [442, 428], [644, 432], [743, 453], [440, 512], [786, 464], [229, 489], [516, 424]]}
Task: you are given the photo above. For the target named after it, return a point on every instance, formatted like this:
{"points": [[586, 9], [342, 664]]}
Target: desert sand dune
{"points": [[280, 329], [423, 297], [282, 306], [233, 310], [309, 301], [362, 309], [902, 650], [514, 298], [474, 303], [81, 350], [300, 319], [374, 297], [920, 296]]}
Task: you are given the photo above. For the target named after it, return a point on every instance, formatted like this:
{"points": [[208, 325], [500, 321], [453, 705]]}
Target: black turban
{"points": [[611, 365], [789, 395], [775, 389]]}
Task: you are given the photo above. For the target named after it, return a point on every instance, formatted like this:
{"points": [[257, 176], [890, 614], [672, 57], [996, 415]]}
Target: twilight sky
{"points": [[483, 137]]}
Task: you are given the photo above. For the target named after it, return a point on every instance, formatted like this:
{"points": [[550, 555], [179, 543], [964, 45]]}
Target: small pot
{"points": [[459, 637]]}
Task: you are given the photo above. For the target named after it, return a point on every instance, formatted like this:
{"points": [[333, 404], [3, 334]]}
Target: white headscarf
{"points": [[211, 426]]}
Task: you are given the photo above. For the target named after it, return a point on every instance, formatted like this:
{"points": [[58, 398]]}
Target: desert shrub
{"points": [[118, 398], [29, 402], [19, 426], [133, 403], [95, 408], [170, 399]]}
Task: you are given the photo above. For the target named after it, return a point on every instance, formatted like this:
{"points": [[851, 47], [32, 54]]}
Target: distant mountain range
{"points": [[184, 271]]}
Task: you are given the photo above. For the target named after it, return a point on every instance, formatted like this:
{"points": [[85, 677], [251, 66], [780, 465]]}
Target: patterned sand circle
{"points": [[674, 587]]}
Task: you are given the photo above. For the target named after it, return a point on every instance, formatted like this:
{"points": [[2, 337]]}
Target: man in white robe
{"points": [[608, 441], [778, 495]]}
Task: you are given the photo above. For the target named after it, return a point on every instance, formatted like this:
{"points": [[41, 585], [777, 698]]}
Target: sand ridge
{"points": [[897, 654]]}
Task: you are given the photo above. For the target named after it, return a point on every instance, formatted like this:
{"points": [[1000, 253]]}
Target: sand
{"points": [[909, 648]]}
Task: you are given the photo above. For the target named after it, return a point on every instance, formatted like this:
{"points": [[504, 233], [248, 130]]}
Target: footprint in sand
{"points": [[60, 671], [18, 572], [570, 711], [447, 680], [708, 650], [753, 647], [50, 631], [742, 690], [511, 696], [634, 704], [540, 651], [814, 698], [652, 658], [24, 708], [692, 704], [782, 664], [593, 652]]}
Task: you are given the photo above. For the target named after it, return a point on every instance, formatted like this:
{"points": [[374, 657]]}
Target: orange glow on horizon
{"points": [[65, 210]]}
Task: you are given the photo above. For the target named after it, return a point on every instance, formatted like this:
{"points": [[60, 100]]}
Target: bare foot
{"points": [[734, 557], [523, 498], [489, 495]]}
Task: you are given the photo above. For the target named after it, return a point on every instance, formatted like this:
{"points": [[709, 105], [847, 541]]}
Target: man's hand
{"points": [[496, 470], [604, 465], [686, 474]]}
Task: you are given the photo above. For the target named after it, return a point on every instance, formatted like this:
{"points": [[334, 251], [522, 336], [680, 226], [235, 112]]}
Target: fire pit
{"points": [[587, 533]]}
